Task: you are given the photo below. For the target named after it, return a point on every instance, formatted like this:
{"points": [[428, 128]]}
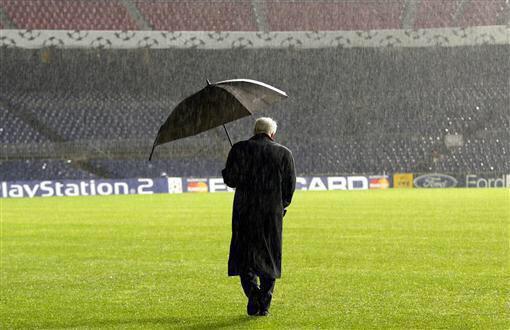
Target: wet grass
{"points": [[372, 259]]}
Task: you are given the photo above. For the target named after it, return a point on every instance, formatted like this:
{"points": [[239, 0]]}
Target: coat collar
{"points": [[261, 136]]}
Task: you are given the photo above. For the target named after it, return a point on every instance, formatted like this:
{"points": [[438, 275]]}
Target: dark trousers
{"points": [[249, 281]]}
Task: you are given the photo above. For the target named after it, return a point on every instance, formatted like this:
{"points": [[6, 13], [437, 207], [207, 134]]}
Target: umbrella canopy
{"points": [[215, 105]]}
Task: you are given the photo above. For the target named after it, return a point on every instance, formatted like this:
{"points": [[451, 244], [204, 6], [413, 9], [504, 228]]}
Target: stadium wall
{"points": [[93, 39]]}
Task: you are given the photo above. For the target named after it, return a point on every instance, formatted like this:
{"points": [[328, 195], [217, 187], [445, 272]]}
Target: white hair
{"points": [[265, 125]]}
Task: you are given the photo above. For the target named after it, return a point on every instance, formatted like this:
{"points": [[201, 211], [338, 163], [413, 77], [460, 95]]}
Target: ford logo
{"points": [[435, 180]]}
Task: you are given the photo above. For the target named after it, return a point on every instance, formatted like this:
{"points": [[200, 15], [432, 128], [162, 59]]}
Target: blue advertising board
{"points": [[50, 188], [171, 185]]}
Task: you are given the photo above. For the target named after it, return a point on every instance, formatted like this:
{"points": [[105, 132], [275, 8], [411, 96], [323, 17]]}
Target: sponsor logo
{"points": [[435, 180], [217, 185], [197, 185], [402, 180], [379, 182], [475, 181], [332, 183], [174, 185], [50, 188]]}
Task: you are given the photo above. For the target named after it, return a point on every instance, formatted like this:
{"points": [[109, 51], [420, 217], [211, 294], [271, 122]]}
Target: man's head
{"points": [[265, 125]]}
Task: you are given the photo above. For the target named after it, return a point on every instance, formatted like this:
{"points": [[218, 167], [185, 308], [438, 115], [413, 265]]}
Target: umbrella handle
{"points": [[228, 136]]}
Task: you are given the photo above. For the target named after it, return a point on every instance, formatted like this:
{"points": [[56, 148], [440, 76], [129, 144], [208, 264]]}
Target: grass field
{"points": [[371, 259]]}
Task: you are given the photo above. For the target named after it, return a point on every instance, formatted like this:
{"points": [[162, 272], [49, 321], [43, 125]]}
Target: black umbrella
{"points": [[215, 105]]}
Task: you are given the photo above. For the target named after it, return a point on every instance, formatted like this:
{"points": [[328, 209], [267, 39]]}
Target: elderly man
{"points": [[262, 171]]}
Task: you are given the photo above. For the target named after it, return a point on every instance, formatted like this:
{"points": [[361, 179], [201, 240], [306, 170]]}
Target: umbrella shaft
{"points": [[228, 136]]}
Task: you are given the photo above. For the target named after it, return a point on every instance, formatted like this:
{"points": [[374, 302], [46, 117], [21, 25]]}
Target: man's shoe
{"points": [[253, 302], [264, 303], [264, 312]]}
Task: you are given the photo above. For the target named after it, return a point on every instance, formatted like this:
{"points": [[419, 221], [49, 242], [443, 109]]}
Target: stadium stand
{"points": [[68, 14], [199, 15], [25, 170], [377, 116], [432, 14], [84, 116], [185, 15], [193, 167], [14, 130], [480, 155], [483, 13], [328, 15]]}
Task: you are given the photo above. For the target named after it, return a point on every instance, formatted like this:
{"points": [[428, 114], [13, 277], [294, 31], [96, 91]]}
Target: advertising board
{"points": [[175, 185], [171, 185], [50, 188]]}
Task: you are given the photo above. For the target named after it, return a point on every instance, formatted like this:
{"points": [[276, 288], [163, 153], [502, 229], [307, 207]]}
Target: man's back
{"points": [[262, 165]]}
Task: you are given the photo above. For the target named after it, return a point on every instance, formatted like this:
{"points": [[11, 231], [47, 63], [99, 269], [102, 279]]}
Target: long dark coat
{"points": [[262, 171]]}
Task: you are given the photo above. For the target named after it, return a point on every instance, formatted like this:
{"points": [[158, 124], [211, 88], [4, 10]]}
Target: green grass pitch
{"points": [[367, 259]]}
